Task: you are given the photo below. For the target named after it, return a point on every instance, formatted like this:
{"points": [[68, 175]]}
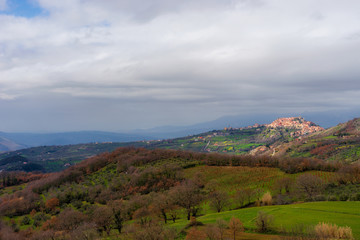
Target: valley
{"points": [[242, 182]]}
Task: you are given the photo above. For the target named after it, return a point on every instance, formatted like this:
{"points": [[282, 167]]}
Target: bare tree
{"points": [[221, 225], [240, 198], [188, 195], [85, 231], [249, 193], [103, 218], [309, 184], [163, 205], [69, 220], [283, 184], [219, 200], [235, 226]]}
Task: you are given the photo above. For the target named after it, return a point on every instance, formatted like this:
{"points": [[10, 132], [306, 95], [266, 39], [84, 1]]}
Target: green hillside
{"points": [[135, 191], [230, 141]]}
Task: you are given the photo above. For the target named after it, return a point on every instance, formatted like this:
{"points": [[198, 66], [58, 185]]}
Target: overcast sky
{"points": [[124, 64]]}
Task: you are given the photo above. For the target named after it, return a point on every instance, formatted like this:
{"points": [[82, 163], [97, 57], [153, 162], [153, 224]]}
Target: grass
{"points": [[287, 216], [231, 179]]}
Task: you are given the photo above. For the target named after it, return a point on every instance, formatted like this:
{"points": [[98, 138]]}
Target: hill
{"points": [[284, 137], [339, 143], [16, 141], [9, 145], [131, 193], [229, 140]]}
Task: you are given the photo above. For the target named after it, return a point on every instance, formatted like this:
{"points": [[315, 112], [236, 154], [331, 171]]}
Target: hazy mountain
{"points": [[324, 119], [15, 141]]}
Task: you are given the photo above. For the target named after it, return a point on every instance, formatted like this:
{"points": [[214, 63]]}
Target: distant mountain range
{"points": [[284, 137], [16, 141]]}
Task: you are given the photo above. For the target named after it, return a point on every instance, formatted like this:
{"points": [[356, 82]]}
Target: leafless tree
{"points": [[309, 184], [235, 226], [219, 200]]}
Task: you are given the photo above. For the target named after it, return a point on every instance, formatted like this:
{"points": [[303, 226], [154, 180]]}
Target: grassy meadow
{"points": [[289, 216]]}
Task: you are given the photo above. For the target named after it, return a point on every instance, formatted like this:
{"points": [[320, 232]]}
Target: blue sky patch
{"points": [[23, 8]]}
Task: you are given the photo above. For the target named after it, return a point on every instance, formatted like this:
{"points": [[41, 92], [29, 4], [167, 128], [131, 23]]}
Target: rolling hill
{"points": [[134, 192], [339, 143], [228, 140]]}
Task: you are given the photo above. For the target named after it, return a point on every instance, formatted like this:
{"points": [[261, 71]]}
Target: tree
{"points": [[51, 204], [212, 232], [163, 205], [309, 184], [240, 198], [85, 231], [152, 231], [103, 218], [235, 226], [249, 193], [189, 196], [69, 220], [219, 200], [283, 184], [195, 234], [120, 214], [143, 216], [263, 222], [174, 212], [221, 225]]}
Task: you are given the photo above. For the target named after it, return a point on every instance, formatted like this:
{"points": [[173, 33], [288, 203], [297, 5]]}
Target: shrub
{"points": [[333, 198], [320, 198], [343, 197], [332, 231], [25, 220], [39, 218], [263, 222], [266, 199], [355, 197]]}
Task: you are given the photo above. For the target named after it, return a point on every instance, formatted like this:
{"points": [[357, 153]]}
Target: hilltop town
{"points": [[303, 127]]}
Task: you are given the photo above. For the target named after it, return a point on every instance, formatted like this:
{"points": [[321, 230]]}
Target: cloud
{"points": [[223, 57], [3, 5]]}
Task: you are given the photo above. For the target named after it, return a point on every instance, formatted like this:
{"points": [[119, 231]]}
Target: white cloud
{"points": [[234, 55]]}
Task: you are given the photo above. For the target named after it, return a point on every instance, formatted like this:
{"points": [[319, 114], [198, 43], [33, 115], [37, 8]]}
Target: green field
{"points": [[287, 216], [231, 179]]}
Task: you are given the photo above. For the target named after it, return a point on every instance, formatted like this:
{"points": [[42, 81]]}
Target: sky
{"points": [[126, 64]]}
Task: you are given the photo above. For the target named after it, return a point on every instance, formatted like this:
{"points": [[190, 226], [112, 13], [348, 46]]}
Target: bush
{"points": [[344, 197], [264, 222], [266, 199], [333, 198], [39, 218], [282, 199], [332, 231], [25, 220], [355, 197], [320, 198]]}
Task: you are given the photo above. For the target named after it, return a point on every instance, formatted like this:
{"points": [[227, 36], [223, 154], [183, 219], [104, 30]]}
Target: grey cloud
{"points": [[148, 63]]}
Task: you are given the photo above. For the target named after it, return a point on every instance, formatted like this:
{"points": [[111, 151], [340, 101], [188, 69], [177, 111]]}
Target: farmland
{"points": [[287, 217]]}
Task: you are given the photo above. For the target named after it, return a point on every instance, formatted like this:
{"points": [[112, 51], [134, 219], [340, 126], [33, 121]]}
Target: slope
{"points": [[339, 143]]}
